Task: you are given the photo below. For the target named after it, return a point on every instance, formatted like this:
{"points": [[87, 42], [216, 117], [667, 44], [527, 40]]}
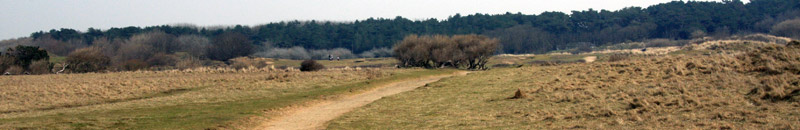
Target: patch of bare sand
{"points": [[590, 59]]}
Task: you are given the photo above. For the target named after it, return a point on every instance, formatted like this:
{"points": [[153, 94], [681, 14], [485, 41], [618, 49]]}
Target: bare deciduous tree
{"points": [[194, 45], [788, 28], [230, 45], [461, 51]]}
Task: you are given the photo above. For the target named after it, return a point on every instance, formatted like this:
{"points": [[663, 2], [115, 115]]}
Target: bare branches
{"points": [[459, 51]]}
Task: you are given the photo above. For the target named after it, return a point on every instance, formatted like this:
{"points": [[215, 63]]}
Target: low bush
{"points": [[162, 59], [133, 65], [188, 64], [459, 51], [40, 67], [89, 59], [15, 70], [6, 62], [311, 65], [788, 28]]}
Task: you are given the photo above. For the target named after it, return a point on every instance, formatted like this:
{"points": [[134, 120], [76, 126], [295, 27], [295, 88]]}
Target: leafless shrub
{"points": [[195, 45], [10, 43], [229, 45], [162, 59], [40, 67], [107, 46], [15, 70], [461, 51], [58, 47], [88, 60], [188, 63], [788, 28], [131, 51], [6, 62], [158, 40], [134, 64]]}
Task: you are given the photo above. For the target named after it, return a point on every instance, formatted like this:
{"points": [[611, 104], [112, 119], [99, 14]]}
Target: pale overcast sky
{"points": [[19, 18]]}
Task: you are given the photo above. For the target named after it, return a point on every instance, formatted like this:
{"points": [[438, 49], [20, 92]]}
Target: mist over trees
{"points": [[130, 48]]}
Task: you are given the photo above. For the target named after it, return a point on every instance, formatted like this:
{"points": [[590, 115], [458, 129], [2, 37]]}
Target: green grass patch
{"points": [[58, 59]]}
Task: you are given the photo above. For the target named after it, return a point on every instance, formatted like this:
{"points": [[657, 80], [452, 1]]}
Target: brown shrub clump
{"points": [[459, 51], [188, 64], [41, 67], [311, 65], [6, 62], [88, 60], [15, 70], [134, 64]]}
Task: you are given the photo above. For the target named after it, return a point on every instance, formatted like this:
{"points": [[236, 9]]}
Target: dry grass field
{"points": [[744, 85], [188, 99]]}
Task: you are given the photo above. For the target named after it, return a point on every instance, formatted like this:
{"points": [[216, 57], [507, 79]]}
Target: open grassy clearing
{"points": [[192, 99], [730, 87]]}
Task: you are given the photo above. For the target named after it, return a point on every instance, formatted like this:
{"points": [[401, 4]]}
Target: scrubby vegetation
{"points": [[91, 60], [19, 60], [163, 47], [736, 85], [459, 51]]}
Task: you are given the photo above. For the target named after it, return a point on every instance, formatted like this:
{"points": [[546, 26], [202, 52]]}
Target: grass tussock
{"points": [[755, 88]]}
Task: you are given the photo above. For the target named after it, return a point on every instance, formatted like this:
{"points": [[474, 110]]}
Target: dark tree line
{"points": [[519, 33]]}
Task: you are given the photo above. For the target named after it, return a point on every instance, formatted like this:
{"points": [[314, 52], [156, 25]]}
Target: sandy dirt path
{"points": [[315, 116]]}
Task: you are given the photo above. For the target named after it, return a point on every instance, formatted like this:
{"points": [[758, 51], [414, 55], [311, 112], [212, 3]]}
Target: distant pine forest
{"points": [[518, 33]]}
